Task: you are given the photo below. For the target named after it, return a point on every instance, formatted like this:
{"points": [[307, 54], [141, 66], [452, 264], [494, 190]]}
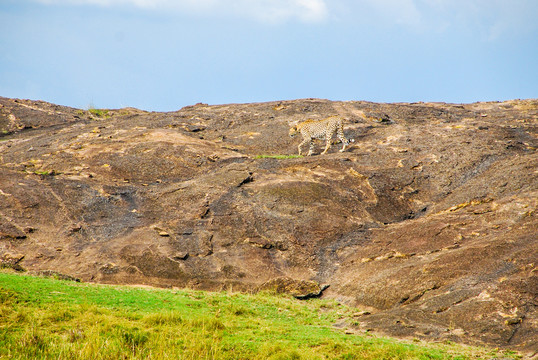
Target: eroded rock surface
{"points": [[428, 221]]}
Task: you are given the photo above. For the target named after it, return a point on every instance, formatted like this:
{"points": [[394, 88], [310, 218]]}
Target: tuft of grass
{"points": [[46, 172], [44, 318], [163, 318], [102, 113], [280, 157]]}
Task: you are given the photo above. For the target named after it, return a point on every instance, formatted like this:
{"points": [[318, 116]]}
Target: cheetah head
{"points": [[293, 131]]}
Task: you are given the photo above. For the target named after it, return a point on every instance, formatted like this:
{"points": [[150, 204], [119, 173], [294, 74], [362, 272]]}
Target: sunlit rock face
{"points": [[427, 220]]}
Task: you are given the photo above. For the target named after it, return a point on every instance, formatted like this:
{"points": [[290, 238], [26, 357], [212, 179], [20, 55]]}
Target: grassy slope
{"points": [[51, 319]]}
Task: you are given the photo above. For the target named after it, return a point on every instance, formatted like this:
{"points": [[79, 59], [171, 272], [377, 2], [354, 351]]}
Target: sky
{"points": [[161, 55]]}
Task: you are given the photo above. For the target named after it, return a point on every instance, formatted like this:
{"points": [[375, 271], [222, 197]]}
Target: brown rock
{"points": [[428, 218], [11, 261], [301, 289]]}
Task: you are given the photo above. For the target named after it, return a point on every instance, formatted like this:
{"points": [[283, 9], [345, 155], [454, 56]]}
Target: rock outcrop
{"points": [[428, 221]]}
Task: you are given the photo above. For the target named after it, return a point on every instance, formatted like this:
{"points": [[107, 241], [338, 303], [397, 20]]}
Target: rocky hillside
{"points": [[427, 222]]}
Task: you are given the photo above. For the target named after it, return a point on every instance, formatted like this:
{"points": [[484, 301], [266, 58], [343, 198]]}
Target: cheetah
{"points": [[320, 129]]}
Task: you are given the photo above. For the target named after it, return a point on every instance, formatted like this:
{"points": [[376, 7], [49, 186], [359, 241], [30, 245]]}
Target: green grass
{"points": [[280, 157], [102, 113], [46, 172], [44, 318]]}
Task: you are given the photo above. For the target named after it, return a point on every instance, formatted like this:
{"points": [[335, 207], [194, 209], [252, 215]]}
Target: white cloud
{"points": [[314, 10], [273, 11]]}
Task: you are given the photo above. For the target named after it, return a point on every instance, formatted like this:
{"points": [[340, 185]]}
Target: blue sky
{"points": [[162, 55]]}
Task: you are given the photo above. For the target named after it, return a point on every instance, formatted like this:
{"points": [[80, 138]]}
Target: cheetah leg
{"points": [[329, 138], [342, 138], [327, 145], [311, 150], [300, 145]]}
